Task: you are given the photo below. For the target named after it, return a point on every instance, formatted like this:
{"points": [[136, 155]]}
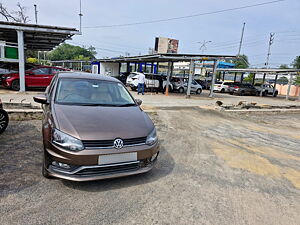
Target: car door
{"points": [[38, 77]]}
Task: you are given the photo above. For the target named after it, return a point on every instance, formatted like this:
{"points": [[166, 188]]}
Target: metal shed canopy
{"points": [[36, 37], [33, 37], [167, 57]]}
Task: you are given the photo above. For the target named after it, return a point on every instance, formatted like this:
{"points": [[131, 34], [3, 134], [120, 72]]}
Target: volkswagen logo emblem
{"points": [[118, 143]]}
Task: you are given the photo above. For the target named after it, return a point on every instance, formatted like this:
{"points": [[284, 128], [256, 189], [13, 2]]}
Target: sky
{"points": [[222, 30]]}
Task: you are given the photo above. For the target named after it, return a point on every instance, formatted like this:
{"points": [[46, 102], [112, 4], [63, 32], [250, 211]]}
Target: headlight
{"points": [[66, 141], [5, 78], [152, 137]]}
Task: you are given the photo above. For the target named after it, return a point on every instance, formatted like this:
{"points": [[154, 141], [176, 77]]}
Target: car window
{"points": [[56, 70], [41, 71], [88, 91]]}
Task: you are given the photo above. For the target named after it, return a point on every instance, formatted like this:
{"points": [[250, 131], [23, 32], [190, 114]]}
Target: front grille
{"points": [[109, 170], [110, 143]]}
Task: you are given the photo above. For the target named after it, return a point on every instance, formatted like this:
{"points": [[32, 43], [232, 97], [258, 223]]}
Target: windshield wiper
{"points": [[95, 104], [127, 105]]}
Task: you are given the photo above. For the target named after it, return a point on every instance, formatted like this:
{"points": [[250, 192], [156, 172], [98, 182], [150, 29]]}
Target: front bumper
{"points": [[85, 167]]}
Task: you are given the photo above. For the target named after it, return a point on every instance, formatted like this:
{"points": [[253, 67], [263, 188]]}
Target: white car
{"points": [[151, 82], [267, 89], [182, 86], [221, 86], [130, 78]]}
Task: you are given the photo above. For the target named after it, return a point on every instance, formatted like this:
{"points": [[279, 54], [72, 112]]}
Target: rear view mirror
{"points": [[138, 101], [41, 99]]}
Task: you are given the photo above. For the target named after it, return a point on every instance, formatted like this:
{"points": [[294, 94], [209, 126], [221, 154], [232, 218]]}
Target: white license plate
{"points": [[117, 158]]}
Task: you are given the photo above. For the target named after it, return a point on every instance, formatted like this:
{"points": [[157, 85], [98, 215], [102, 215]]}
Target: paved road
{"points": [[214, 169]]}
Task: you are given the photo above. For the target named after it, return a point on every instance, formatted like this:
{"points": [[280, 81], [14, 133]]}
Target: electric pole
{"points": [[271, 41], [203, 46], [80, 16], [242, 37], [35, 13]]}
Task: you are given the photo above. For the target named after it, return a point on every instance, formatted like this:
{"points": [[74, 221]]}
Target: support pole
{"points": [[274, 89], [261, 89], [235, 76], [211, 94], [168, 79], [152, 67], [191, 74], [157, 67], [253, 80], [20, 34], [289, 87]]}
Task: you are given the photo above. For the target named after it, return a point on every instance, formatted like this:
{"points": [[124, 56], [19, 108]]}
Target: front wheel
{"points": [[199, 91], [276, 93], [3, 120], [181, 90], [15, 85]]}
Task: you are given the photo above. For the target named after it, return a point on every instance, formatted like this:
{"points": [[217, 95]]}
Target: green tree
{"points": [[296, 63], [249, 79], [283, 66], [297, 80], [282, 80], [241, 62], [72, 52]]}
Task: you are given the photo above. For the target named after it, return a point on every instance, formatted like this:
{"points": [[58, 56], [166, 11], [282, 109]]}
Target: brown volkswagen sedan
{"points": [[93, 129]]}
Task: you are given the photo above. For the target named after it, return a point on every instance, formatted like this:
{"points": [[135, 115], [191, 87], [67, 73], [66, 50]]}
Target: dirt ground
{"points": [[214, 168]]}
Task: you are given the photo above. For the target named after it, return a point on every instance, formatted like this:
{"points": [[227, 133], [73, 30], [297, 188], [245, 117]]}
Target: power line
{"points": [[188, 16]]}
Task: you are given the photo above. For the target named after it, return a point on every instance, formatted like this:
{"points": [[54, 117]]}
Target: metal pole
{"points": [[35, 13], [168, 79], [80, 15], [211, 94], [289, 87], [235, 76], [191, 73], [241, 42], [20, 34], [261, 89], [274, 89], [269, 49]]}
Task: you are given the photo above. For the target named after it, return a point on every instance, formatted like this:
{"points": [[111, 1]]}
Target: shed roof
{"points": [[167, 57], [36, 37]]}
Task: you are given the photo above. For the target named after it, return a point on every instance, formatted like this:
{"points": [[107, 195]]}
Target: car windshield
{"points": [[91, 92]]}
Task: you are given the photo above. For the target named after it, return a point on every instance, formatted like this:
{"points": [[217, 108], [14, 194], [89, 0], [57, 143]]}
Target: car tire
{"points": [[4, 119], [222, 90], [199, 91], [275, 94], [231, 93], [15, 85], [242, 93], [181, 90], [265, 93]]}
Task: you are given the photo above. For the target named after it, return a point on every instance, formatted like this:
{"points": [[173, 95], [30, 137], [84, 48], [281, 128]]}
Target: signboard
{"points": [[166, 45]]}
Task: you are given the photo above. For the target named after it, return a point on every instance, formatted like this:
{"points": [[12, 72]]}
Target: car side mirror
{"points": [[41, 99], [138, 101]]}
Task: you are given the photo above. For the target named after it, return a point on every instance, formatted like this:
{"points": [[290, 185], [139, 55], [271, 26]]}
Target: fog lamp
{"points": [[61, 165]]}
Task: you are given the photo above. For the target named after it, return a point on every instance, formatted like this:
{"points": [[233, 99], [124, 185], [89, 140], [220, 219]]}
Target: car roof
{"points": [[83, 75]]}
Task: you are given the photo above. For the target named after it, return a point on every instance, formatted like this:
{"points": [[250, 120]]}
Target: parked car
{"points": [[181, 86], [152, 82], [267, 89], [94, 129], [206, 84], [242, 89], [38, 77], [4, 119], [221, 86]]}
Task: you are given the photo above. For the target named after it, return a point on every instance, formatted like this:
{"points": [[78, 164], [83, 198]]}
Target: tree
{"points": [[283, 66], [282, 80], [241, 62], [249, 79], [72, 52], [296, 63], [297, 80], [18, 16]]}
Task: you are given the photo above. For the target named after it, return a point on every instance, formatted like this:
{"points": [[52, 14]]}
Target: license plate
{"points": [[117, 158]]}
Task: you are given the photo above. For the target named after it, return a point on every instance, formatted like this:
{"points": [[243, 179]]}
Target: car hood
{"points": [[102, 123]]}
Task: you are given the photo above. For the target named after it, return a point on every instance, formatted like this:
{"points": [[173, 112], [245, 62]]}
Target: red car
{"points": [[38, 77]]}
